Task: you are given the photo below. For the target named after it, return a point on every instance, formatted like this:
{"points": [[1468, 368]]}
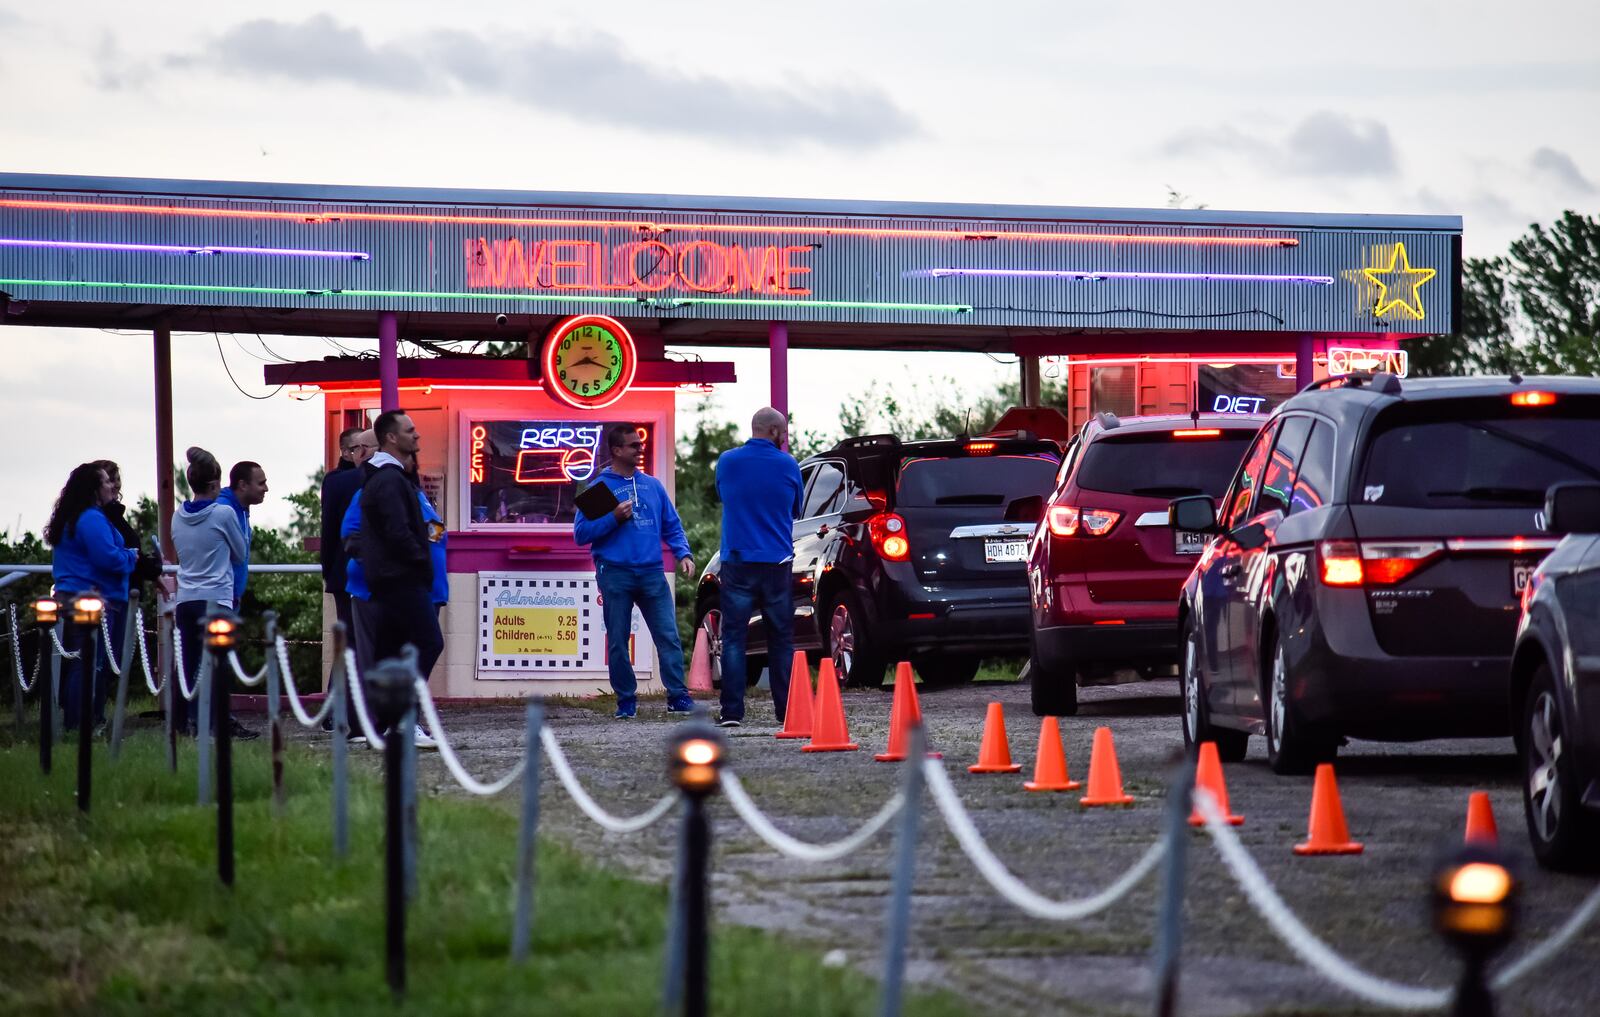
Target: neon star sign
{"points": [[1398, 285]]}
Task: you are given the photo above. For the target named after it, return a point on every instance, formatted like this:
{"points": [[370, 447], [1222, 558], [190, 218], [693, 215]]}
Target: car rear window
{"points": [[974, 480], [1456, 458], [1157, 465]]}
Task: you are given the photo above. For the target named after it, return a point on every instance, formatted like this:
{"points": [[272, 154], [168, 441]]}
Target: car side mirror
{"points": [[1025, 510], [1572, 508], [1249, 537], [1196, 514]]}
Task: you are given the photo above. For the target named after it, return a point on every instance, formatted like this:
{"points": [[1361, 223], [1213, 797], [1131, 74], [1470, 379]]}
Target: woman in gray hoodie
{"points": [[209, 544]]}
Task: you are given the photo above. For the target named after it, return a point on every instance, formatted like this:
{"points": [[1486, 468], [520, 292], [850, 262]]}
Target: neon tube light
{"points": [[1095, 275], [87, 245], [653, 227], [1082, 360], [862, 305]]}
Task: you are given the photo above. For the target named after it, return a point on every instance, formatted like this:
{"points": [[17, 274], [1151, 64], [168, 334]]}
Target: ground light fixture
{"points": [[222, 630], [1474, 909], [46, 611], [695, 758], [87, 609]]}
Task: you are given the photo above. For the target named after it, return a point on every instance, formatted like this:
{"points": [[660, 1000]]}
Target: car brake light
{"points": [[1198, 432], [1389, 562], [1068, 520], [1533, 399], [980, 448], [888, 533], [1340, 562]]}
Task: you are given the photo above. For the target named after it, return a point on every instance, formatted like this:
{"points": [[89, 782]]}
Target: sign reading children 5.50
{"points": [[589, 361]]}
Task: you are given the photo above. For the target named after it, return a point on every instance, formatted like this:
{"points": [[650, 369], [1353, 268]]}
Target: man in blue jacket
{"points": [[626, 545], [760, 489], [247, 487]]}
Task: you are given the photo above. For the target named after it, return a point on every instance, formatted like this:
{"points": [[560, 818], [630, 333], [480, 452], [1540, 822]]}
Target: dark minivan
{"points": [[1366, 566], [910, 550]]}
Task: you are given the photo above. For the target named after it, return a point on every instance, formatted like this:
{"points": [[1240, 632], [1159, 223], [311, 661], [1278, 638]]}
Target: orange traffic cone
{"points": [[700, 663], [1481, 828], [1050, 763], [1327, 834], [904, 713], [1105, 776], [829, 732], [797, 718], [994, 754], [1208, 775]]}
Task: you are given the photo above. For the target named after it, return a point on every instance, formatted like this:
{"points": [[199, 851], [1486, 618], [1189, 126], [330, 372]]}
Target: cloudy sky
{"points": [[1456, 107]]}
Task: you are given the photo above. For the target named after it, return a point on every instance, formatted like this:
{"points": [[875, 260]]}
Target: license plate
{"points": [[1184, 542], [1004, 550], [1521, 572]]}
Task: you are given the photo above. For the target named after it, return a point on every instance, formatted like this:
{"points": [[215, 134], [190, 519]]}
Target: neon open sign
{"points": [[639, 266], [1347, 360]]}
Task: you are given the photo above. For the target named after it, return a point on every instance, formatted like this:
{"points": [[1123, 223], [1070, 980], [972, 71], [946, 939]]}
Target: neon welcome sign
{"points": [[638, 266]]}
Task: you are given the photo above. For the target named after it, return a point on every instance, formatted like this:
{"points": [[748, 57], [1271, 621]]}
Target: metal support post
{"points": [[274, 721], [58, 717], [407, 734], [339, 695], [1030, 387], [778, 350], [1305, 365], [47, 705], [905, 871], [203, 725], [696, 766], [219, 643], [527, 837], [172, 698], [1169, 930], [88, 647], [392, 695], [388, 361]]}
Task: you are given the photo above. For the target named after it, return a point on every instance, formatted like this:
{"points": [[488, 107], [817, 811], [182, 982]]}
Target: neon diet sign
{"points": [[639, 266], [1225, 403]]}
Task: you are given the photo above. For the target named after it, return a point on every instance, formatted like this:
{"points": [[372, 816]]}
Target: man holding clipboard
{"points": [[625, 517]]}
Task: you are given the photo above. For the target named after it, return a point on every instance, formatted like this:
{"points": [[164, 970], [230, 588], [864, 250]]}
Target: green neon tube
{"points": [[655, 303]]}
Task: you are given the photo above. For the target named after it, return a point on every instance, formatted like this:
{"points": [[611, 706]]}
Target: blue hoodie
{"points": [[356, 577], [91, 557], [241, 570], [638, 541]]}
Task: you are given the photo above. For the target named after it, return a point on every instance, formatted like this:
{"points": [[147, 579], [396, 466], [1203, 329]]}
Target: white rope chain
{"points": [[448, 754], [239, 672], [61, 651], [1008, 885], [1541, 954], [799, 849], [16, 657], [287, 681], [189, 691], [1302, 941], [140, 645], [357, 696], [602, 818]]}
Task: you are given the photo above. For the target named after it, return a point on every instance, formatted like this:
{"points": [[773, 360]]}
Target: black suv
{"points": [[1555, 685], [1367, 562], [909, 551]]}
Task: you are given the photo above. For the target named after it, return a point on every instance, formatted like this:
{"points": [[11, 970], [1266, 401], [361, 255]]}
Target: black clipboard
{"points": [[596, 500]]}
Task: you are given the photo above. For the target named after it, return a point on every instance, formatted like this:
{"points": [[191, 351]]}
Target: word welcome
{"points": [[640, 266]]}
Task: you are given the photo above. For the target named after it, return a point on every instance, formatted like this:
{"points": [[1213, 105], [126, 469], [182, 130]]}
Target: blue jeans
{"points": [[621, 587], [747, 587], [72, 670]]}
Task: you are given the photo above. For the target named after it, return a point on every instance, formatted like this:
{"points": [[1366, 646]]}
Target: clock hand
{"points": [[590, 361]]}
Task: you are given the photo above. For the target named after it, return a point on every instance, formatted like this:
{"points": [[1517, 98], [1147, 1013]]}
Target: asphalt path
{"points": [[1405, 802]]}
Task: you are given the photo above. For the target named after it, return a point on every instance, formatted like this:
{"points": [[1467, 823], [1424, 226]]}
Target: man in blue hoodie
{"points": [[626, 545], [247, 487]]}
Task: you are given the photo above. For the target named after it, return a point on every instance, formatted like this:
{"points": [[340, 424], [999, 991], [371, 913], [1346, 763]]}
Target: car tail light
{"points": [[1388, 562], [1070, 521], [1533, 399], [980, 448], [1339, 562], [888, 533], [1198, 432]]}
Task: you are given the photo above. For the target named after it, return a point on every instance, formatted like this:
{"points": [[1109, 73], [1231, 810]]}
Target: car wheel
{"points": [[1290, 748], [711, 625], [943, 671], [1197, 725], [1053, 690], [857, 660], [1564, 835]]}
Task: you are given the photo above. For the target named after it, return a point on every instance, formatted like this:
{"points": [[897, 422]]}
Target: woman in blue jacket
{"points": [[89, 557]]}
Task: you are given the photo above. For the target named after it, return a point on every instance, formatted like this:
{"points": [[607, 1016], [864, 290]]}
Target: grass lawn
{"points": [[121, 913]]}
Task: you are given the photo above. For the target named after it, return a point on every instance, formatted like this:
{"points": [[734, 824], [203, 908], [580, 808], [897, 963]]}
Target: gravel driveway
{"points": [[1406, 802]]}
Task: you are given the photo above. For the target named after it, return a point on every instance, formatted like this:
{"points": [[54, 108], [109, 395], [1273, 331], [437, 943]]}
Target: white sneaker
{"points": [[424, 740], [355, 739]]}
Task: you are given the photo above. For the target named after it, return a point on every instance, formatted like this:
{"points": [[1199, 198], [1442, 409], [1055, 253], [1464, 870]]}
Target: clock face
{"points": [[589, 361]]}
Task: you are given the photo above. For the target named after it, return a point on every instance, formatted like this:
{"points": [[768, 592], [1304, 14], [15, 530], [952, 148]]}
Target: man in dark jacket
{"points": [[338, 489], [394, 547]]}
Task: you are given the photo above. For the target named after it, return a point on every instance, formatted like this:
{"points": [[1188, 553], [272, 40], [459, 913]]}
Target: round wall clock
{"points": [[589, 361]]}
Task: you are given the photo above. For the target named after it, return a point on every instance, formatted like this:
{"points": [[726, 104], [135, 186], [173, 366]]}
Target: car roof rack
{"points": [[1382, 382], [1108, 420]]}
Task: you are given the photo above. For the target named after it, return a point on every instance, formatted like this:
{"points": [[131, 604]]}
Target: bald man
{"points": [[759, 484], [355, 447]]}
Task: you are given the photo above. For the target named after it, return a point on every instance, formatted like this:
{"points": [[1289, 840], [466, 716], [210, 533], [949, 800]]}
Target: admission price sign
{"points": [[548, 625]]}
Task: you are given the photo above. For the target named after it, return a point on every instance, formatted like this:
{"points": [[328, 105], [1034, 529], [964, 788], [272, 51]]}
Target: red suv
{"points": [[1104, 567]]}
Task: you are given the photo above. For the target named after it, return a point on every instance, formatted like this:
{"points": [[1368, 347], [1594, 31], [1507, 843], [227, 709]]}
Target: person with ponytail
{"points": [[210, 546], [88, 556]]}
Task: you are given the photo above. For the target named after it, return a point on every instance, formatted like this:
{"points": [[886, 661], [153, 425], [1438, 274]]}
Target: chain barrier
{"points": [[239, 672], [359, 697], [189, 691], [287, 681], [448, 754], [26, 684], [62, 651], [591, 808], [1542, 954], [763, 827], [140, 645]]}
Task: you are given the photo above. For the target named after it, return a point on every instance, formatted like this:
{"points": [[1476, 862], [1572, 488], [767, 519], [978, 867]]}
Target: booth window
{"points": [[1111, 390], [527, 472]]}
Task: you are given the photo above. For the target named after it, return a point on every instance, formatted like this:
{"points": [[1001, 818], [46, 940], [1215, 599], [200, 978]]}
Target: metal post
{"points": [[88, 650], [47, 706], [905, 871], [1030, 379], [392, 695], [222, 693], [527, 837], [388, 361], [121, 710], [778, 348], [697, 854], [1169, 931], [338, 695], [169, 687], [203, 725], [166, 495], [1305, 366], [1473, 998], [672, 976], [274, 721], [57, 718], [407, 734]]}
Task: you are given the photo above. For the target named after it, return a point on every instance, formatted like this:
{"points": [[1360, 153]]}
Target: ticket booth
{"points": [[506, 444]]}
